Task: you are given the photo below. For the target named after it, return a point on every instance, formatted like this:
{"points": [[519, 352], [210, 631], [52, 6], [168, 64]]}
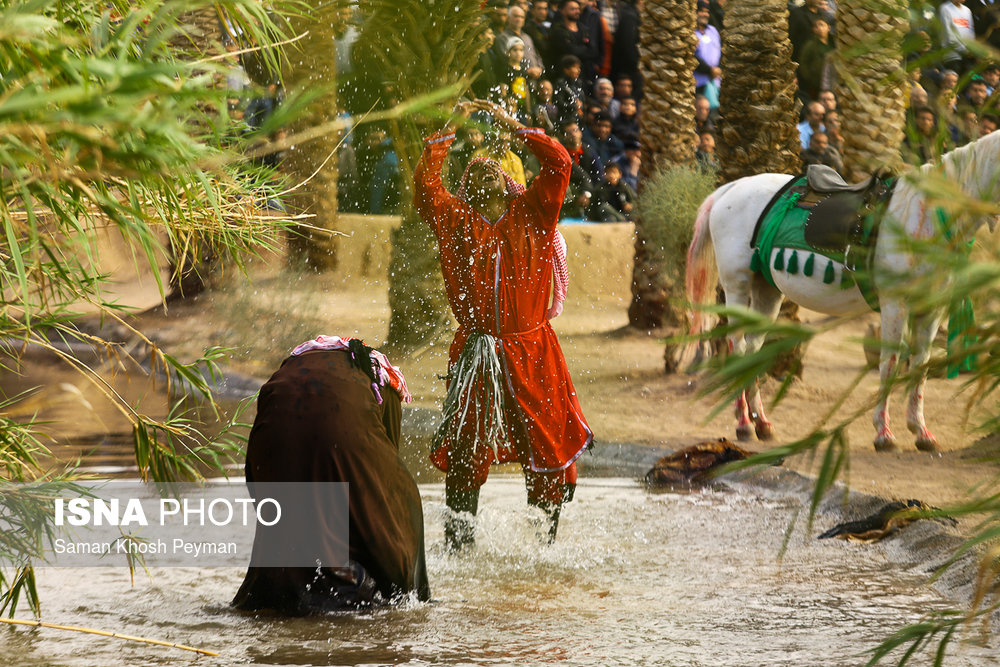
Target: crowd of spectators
{"points": [[571, 67], [952, 95]]}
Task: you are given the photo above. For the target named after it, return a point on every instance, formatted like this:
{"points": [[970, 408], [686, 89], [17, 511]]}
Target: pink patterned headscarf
{"points": [[560, 270], [386, 373]]}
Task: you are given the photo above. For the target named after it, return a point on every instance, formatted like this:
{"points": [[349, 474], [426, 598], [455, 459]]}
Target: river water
{"points": [[633, 578]]}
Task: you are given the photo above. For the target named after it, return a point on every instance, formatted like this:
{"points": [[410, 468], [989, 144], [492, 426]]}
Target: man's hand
{"points": [[502, 116], [463, 109]]}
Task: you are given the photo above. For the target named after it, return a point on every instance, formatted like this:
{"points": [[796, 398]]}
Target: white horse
{"points": [[727, 219]]}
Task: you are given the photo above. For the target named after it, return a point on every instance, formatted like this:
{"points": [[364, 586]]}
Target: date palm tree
{"points": [[311, 71], [417, 47], [758, 106]]}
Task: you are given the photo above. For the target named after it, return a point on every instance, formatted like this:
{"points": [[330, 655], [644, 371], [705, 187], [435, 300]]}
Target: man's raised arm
{"points": [[429, 193]]}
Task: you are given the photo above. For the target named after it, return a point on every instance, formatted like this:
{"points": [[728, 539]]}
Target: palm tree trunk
{"points": [[667, 65], [758, 104], [871, 84], [313, 164], [760, 110]]}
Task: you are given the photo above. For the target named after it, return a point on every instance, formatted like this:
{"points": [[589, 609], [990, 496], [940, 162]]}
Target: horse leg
{"points": [[744, 425], [766, 300], [738, 295], [893, 322], [924, 329]]}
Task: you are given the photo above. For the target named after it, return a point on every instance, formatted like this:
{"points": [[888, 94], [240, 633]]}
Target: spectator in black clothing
{"points": [[988, 124], [717, 13], [991, 75], [625, 47], [627, 122], [538, 26], [623, 87], [800, 20], [569, 37], [545, 113], [966, 127], [828, 99], [581, 186], [986, 20], [924, 142], [614, 199], [977, 93], [469, 139], [260, 108], [486, 82], [605, 144], [590, 111], [568, 88], [705, 156], [813, 60], [593, 21], [631, 161], [496, 14], [831, 121], [581, 154], [820, 152]]}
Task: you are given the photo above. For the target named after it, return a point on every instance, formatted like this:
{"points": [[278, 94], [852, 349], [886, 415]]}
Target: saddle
{"points": [[842, 214], [826, 180]]}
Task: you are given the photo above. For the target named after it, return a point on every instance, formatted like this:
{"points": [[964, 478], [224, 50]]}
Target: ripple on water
{"points": [[634, 578]]}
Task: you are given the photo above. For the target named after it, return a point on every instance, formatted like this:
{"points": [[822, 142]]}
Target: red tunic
{"points": [[498, 277]]}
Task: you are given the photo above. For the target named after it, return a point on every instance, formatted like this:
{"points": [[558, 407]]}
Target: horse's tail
{"points": [[701, 277]]}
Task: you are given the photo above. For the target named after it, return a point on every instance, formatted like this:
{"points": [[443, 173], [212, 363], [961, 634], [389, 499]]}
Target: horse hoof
{"points": [[764, 430], [928, 444], [744, 432], [884, 444]]}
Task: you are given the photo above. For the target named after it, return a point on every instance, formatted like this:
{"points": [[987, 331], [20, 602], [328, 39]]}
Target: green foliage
{"points": [[668, 206], [112, 119]]}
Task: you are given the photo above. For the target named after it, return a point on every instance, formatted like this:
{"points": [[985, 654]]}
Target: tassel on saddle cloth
{"points": [[475, 396], [840, 227]]}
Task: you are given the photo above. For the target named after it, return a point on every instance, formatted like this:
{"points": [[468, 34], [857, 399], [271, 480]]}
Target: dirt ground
{"points": [[618, 372]]}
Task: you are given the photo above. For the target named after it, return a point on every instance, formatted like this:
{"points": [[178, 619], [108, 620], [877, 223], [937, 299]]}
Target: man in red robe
{"points": [[510, 397]]}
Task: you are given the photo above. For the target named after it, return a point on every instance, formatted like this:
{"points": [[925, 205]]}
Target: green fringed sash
{"points": [[961, 319], [779, 240]]}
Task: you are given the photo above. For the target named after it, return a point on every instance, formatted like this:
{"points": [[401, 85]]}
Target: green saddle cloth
{"points": [[784, 225]]}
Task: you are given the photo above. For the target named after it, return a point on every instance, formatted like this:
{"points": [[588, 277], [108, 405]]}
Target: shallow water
{"points": [[634, 578]]}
